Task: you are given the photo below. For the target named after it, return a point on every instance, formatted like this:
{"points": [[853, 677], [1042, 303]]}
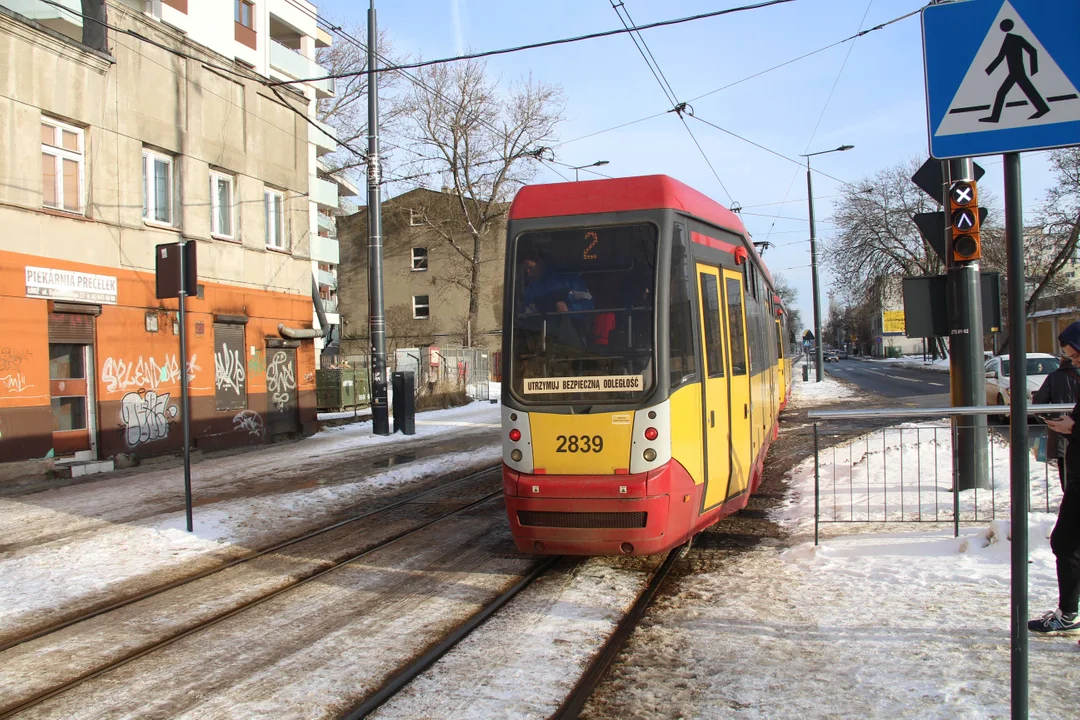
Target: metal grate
{"points": [[590, 520]]}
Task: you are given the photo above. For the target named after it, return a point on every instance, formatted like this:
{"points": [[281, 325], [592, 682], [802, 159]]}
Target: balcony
{"points": [[298, 67], [327, 279], [329, 307], [325, 250], [329, 224], [323, 192], [51, 16], [322, 136]]}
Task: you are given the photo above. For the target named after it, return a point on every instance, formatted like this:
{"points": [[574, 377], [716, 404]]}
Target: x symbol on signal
{"points": [[962, 195]]}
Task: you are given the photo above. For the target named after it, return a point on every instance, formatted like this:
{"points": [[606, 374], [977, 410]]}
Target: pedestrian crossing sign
{"points": [[1001, 76]]}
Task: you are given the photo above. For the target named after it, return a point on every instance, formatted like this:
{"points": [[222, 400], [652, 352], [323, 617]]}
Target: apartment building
{"points": [[425, 278], [169, 131]]}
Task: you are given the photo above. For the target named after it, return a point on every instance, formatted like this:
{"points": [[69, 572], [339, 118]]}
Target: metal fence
{"points": [[907, 474], [459, 367]]}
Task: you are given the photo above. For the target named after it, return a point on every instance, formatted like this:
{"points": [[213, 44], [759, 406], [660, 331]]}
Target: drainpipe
{"points": [[309, 333]]}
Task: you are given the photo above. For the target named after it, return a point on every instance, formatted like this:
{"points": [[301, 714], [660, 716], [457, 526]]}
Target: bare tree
{"points": [[403, 330], [790, 296], [476, 142], [346, 111]]}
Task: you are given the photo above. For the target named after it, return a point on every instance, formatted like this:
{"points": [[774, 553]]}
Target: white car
{"points": [[1039, 365]]}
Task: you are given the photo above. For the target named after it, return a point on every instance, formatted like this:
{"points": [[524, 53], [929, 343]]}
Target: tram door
{"points": [[717, 421], [738, 382]]}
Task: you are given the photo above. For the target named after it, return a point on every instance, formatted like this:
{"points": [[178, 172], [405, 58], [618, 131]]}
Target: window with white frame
{"points": [[221, 205], [419, 259], [157, 174], [421, 310], [416, 218], [274, 206], [62, 157]]}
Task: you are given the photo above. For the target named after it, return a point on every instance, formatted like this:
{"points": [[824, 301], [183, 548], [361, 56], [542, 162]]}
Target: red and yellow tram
{"points": [[643, 366]]}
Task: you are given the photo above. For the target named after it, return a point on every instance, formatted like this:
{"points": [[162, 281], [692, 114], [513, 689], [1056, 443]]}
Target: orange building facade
{"points": [[90, 362]]}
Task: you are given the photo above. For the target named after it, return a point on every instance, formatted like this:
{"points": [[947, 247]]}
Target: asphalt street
{"points": [[912, 387]]}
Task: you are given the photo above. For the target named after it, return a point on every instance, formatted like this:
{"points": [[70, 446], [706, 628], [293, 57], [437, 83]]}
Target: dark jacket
{"points": [[1060, 386]]}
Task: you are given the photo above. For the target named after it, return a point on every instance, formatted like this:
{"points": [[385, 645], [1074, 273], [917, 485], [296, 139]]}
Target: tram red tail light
{"points": [[651, 433], [515, 435]]}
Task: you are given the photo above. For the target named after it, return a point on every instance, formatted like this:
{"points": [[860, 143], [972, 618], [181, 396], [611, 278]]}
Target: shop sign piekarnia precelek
{"points": [[69, 285]]}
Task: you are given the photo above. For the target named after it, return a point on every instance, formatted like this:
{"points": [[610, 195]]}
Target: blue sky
{"points": [[878, 104]]}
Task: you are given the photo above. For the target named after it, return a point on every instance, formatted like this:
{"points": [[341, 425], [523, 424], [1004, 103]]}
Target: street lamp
{"points": [[598, 163], [818, 354]]}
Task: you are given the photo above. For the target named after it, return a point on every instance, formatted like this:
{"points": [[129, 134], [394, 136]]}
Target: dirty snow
{"points": [[105, 555], [879, 620], [828, 389]]}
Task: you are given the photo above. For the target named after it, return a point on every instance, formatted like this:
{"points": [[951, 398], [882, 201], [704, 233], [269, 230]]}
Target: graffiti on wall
{"points": [[149, 374], [14, 383], [250, 422], [280, 379], [11, 360], [229, 370], [256, 364], [145, 416]]}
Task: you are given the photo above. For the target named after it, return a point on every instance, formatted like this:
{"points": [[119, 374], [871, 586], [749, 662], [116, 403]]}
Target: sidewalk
{"points": [[912, 361]]}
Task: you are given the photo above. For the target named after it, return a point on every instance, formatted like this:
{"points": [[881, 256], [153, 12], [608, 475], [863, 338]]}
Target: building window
{"points": [[221, 205], [245, 13], [273, 205], [420, 308], [419, 259], [416, 218], [157, 187], [62, 156]]}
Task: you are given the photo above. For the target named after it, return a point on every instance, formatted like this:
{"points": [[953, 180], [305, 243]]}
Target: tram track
{"points": [[31, 645]]}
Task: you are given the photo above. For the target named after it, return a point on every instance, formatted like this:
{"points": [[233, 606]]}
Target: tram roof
{"points": [[645, 192]]}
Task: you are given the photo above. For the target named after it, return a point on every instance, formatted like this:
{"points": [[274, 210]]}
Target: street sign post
{"points": [[1001, 76]]}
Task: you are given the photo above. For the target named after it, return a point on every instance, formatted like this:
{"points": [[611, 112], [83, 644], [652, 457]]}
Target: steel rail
{"points": [[236, 561], [904, 413], [577, 698], [406, 675], [203, 625]]}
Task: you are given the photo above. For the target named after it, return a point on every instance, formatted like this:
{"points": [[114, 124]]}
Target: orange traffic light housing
{"points": [[965, 244]]}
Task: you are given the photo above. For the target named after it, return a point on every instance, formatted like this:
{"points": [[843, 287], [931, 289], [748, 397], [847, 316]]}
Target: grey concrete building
{"points": [[427, 261]]}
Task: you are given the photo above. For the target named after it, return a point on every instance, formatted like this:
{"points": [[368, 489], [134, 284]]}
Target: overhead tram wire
{"points": [[749, 77], [654, 67], [252, 76], [546, 43]]}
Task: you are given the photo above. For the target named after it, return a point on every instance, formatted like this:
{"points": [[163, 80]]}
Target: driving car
{"points": [[998, 391], [830, 356]]}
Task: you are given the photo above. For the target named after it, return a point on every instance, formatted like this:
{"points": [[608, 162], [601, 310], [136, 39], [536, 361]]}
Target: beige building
{"points": [[426, 279], [108, 154]]}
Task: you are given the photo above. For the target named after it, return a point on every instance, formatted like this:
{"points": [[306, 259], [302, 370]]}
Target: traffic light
{"points": [[964, 242]]}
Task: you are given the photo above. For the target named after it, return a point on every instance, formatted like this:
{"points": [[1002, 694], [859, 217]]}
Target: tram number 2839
{"points": [[579, 443]]}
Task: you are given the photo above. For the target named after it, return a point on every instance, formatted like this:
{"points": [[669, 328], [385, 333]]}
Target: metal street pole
{"points": [[185, 406], [967, 380], [598, 163], [1018, 435], [819, 363], [380, 410]]}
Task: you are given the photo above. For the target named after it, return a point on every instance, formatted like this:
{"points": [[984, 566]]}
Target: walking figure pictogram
{"points": [[1012, 52]]}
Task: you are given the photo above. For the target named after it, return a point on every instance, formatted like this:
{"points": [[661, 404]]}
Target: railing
{"points": [[325, 249], [906, 473], [323, 192]]}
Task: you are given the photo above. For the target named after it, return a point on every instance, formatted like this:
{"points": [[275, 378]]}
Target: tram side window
{"points": [[683, 359], [714, 347], [736, 327], [779, 342]]}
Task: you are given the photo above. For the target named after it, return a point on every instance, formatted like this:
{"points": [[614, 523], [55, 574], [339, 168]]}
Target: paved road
{"points": [[911, 386]]}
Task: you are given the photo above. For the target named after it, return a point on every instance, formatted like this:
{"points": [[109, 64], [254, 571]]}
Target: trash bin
{"points": [[404, 402], [806, 372]]}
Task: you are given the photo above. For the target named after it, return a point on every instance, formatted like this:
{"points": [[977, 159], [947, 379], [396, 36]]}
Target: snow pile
{"points": [[914, 361], [814, 393]]}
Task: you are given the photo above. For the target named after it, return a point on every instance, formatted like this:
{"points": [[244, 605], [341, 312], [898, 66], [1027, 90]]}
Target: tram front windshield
{"points": [[583, 315]]}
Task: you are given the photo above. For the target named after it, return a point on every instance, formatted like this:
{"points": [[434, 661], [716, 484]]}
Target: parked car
{"points": [[998, 392], [842, 354], [830, 356]]}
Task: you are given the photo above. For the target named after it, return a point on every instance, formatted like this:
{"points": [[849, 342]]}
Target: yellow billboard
{"points": [[892, 322]]}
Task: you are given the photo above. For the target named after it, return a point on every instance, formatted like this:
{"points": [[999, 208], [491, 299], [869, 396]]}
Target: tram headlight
{"points": [[649, 455], [515, 455]]}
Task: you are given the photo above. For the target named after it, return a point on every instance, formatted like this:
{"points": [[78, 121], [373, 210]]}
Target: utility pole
{"points": [[380, 410], [967, 380]]}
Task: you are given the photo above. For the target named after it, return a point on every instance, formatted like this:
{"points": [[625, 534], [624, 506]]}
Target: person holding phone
{"points": [[1060, 386], [1065, 538]]}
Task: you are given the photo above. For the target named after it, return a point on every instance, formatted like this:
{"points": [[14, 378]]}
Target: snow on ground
{"points": [[915, 361], [827, 389], [524, 661], [879, 620], [108, 554]]}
